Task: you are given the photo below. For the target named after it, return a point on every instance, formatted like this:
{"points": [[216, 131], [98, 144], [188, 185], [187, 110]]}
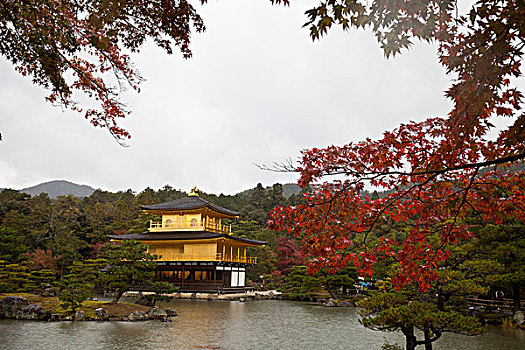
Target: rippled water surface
{"points": [[234, 325]]}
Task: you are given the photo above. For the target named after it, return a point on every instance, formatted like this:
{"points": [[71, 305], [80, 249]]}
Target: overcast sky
{"points": [[257, 90]]}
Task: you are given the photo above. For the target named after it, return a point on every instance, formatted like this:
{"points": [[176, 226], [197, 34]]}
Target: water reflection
{"points": [[233, 325]]}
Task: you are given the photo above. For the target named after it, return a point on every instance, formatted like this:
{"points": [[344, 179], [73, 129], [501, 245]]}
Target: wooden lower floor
{"points": [[202, 277]]}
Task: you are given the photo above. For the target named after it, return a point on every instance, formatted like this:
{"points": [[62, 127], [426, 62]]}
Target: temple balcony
{"points": [[173, 256], [189, 226]]}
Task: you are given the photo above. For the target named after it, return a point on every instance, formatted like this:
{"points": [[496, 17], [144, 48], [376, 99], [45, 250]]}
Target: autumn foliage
{"points": [[43, 259], [70, 46], [441, 176]]}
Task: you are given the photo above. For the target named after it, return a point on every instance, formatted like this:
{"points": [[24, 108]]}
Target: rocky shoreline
{"points": [[25, 306], [19, 308]]}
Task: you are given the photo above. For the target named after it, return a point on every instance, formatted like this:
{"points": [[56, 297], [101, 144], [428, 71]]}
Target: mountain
{"points": [[289, 189], [59, 188]]}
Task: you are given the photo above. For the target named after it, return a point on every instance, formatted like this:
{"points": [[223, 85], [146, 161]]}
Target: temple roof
{"points": [[188, 203], [179, 236]]}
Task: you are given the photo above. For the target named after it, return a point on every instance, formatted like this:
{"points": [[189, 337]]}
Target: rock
{"points": [[79, 315], [156, 313], [55, 318], [102, 314], [10, 305], [518, 317], [242, 300], [330, 303], [32, 308], [47, 291], [345, 303], [171, 313], [193, 296], [17, 307], [212, 297], [30, 312], [137, 316], [165, 319], [145, 300], [67, 318], [177, 295]]}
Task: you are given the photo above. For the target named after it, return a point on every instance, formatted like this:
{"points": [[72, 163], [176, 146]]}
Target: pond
{"points": [[267, 324]]}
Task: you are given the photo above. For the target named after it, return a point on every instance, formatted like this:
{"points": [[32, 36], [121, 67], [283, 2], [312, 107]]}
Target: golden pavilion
{"points": [[196, 252]]}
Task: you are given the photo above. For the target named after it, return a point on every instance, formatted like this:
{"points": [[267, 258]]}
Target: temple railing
{"points": [[172, 256], [189, 226]]}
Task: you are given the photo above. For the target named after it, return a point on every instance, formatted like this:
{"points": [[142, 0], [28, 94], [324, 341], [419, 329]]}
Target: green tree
{"points": [[168, 193], [299, 284], [275, 197], [266, 263], [12, 245], [401, 310], [79, 284], [129, 265], [12, 200], [98, 219], [160, 292], [39, 278], [504, 244], [13, 277], [148, 196], [435, 310], [341, 280], [255, 207]]}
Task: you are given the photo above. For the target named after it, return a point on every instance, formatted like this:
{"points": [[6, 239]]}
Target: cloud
{"points": [[257, 90]]}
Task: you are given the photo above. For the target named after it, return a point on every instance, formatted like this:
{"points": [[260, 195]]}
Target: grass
{"points": [[52, 305], [492, 316]]}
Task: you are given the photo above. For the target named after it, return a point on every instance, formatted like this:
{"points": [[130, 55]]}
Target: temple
{"points": [[196, 252]]}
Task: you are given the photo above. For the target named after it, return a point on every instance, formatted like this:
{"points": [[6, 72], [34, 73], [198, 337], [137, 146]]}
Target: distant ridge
{"points": [[59, 188], [289, 189]]}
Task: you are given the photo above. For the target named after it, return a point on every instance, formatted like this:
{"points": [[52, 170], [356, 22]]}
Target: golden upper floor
{"points": [[191, 213]]}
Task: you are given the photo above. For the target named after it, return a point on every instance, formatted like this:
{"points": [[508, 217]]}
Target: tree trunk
{"points": [[411, 340], [428, 340], [329, 288], [118, 295], [515, 296]]}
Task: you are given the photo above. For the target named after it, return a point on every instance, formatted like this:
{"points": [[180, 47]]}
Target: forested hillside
{"points": [[39, 232]]}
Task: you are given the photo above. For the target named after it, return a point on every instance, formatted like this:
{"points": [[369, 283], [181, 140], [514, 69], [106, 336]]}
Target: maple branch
{"points": [[507, 159], [453, 224], [365, 176]]}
